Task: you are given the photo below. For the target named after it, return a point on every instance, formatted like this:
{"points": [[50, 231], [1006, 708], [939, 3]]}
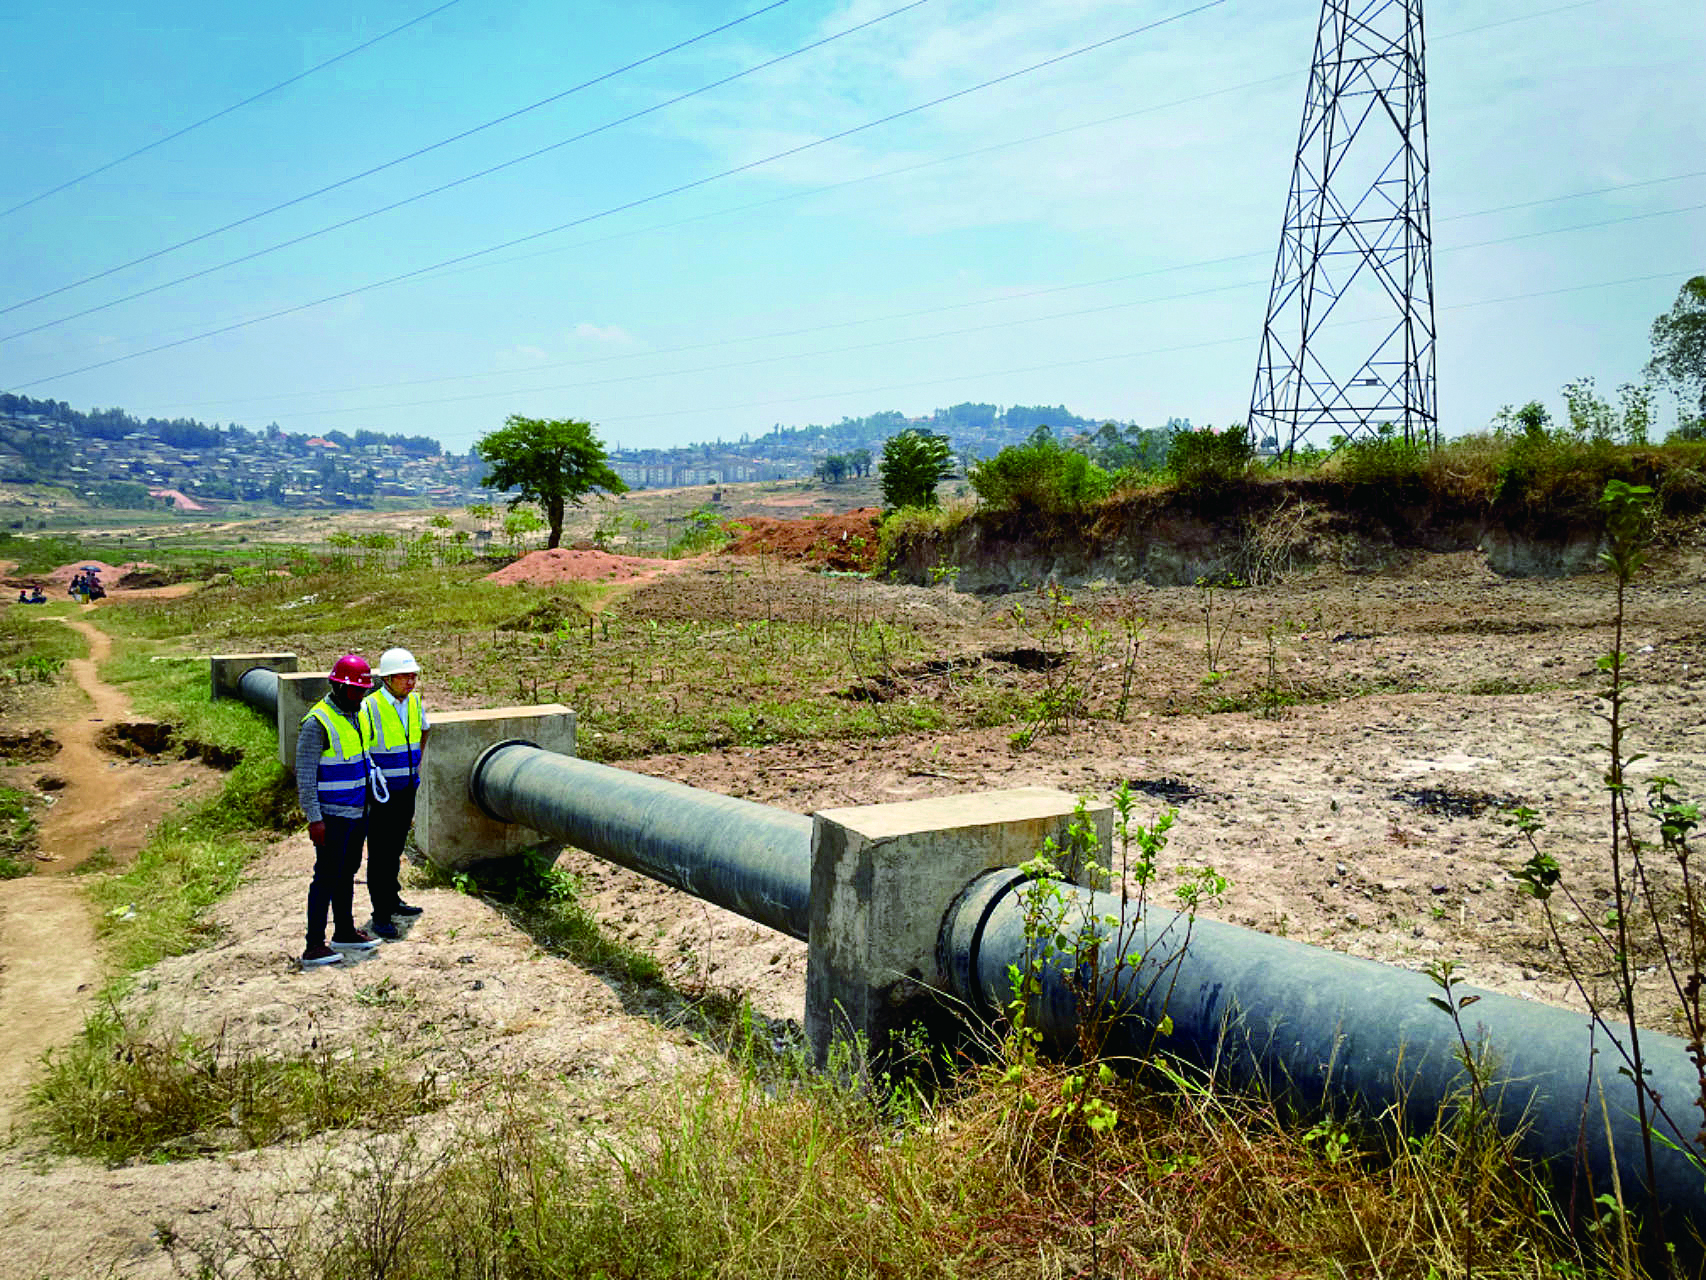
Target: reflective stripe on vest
{"points": [[396, 742], [342, 781]]}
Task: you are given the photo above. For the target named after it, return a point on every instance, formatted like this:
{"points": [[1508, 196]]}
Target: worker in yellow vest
{"points": [[396, 724], [332, 768]]}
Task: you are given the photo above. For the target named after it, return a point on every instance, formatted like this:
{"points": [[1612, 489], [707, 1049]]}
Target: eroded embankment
{"points": [[1256, 532]]}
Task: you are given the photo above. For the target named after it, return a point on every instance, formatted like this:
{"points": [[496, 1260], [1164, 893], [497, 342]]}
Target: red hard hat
{"points": [[352, 669]]}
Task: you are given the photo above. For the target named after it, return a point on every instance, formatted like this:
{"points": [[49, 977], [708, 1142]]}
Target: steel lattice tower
{"points": [[1357, 229]]}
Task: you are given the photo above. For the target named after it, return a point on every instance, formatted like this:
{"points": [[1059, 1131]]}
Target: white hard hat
{"points": [[397, 662]]}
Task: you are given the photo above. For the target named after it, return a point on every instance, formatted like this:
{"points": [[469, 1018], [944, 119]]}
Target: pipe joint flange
{"points": [[960, 936], [476, 773]]}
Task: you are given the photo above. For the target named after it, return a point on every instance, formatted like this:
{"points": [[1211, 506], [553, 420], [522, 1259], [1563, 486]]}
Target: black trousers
{"points": [[387, 829], [333, 886]]}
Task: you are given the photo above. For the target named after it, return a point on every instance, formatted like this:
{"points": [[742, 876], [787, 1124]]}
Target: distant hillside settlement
{"points": [[112, 459]]}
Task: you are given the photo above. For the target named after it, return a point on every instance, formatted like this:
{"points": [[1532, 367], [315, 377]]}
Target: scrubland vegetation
{"points": [[994, 1163]]}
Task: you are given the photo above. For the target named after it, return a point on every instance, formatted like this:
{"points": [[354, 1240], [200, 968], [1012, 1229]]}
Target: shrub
{"points": [[914, 462], [1385, 459], [1205, 458], [1040, 475]]}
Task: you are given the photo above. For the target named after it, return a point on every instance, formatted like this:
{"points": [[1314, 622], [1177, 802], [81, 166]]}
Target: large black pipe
{"points": [[1326, 1029], [750, 858], [259, 688], [1321, 1028]]}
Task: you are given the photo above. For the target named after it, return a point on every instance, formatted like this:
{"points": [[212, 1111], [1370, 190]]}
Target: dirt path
{"points": [[49, 965], [95, 805]]}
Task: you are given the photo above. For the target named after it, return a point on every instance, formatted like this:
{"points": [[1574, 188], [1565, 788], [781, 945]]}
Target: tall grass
{"points": [[749, 1177], [121, 1091]]}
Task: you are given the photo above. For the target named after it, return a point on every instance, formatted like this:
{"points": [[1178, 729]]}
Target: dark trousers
{"points": [[335, 864], [387, 828]]}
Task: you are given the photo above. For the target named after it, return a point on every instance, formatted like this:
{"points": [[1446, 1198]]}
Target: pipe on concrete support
{"points": [[1324, 1028], [258, 686], [749, 858]]}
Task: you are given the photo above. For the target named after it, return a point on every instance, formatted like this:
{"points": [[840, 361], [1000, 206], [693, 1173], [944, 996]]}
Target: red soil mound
{"points": [[846, 541], [567, 564]]}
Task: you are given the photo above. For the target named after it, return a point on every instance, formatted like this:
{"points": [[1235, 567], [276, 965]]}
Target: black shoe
{"points": [[359, 941], [385, 930], [402, 908]]}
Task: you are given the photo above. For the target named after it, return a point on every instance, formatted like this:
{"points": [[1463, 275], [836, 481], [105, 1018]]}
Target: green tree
{"points": [[833, 469], [551, 461], [913, 463], [860, 462], [1679, 345]]}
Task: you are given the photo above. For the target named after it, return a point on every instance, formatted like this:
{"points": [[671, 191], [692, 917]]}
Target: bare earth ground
{"points": [[1363, 820]]}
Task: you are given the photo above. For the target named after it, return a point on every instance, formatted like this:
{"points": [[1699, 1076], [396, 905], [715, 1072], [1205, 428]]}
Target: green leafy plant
{"points": [[1650, 912], [1069, 643], [1040, 477], [914, 463], [1203, 458]]}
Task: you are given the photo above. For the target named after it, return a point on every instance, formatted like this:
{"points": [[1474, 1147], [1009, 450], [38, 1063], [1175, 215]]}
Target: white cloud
{"points": [[609, 335]]}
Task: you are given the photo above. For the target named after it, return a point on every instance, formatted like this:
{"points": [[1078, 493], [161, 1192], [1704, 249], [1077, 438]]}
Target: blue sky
{"points": [[1099, 233]]}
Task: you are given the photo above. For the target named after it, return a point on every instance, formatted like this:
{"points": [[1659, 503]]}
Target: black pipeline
{"points": [[750, 858], [259, 688], [1325, 1029]]}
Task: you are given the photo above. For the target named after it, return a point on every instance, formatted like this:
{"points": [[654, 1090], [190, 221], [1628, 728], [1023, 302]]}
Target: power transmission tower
{"points": [[1357, 231]]}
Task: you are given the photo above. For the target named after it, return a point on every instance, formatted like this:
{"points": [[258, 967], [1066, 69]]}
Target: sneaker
{"points": [[314, 957], [362, 941], [385, 930], [404, 909]]}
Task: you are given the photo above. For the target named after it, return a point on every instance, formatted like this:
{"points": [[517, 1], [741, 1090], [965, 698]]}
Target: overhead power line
{"points": [[1030, 138], [235, 106], [1119, 355], [1003, 324], [389, 164], [644, 200], [803, 194]]}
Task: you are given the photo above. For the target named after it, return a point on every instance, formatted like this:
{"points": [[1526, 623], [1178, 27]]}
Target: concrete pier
{"points": [[449, 828], [297, 691], [883, 877]]}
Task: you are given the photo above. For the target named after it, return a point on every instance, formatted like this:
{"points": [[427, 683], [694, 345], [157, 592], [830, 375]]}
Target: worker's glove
{"points": [[317, 833]]}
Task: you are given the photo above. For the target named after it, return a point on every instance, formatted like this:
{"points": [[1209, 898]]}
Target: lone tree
{"points": [[913, 463], [551, 461], [1679, 345]]}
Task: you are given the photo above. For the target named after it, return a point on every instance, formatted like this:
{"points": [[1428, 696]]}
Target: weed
{"points": [[1070, 643], [1214, 642], [17, 834], [1667, 910], [544, 900], [119, 1093]]}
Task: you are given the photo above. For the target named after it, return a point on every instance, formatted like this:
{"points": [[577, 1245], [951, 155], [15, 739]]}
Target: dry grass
{"points": [[743, 1177]]}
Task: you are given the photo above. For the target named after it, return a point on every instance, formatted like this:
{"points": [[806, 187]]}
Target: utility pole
{"points": [[1357, 231]]}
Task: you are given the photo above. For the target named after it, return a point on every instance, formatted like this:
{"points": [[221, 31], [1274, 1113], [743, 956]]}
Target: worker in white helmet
{"points": [[394, 719]]}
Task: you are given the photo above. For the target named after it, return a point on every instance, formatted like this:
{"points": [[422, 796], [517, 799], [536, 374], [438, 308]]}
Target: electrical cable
{"points": [[904, 315], [236, 106], [1035, 137], [579, 137], [412, 155], [1243, 284], [1123, 355], [644, 200], [759, 204]]}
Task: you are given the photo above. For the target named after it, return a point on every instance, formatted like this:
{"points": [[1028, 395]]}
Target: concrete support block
{"points": [[297, 691], [227, 669], [883, 877], [449, 828]]}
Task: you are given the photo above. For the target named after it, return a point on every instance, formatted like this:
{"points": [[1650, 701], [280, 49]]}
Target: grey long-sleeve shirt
{"points": [[310, 746]]}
